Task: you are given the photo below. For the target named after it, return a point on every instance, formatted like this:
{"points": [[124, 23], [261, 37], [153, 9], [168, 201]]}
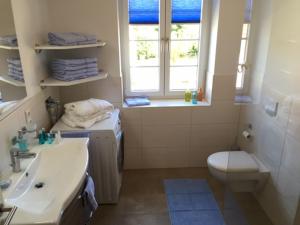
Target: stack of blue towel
{"points": [[71, 38], [74, 69], [9, 40], [15, 70]]}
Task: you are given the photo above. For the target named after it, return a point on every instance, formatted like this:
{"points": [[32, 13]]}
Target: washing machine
{"points": [[106, 151]]}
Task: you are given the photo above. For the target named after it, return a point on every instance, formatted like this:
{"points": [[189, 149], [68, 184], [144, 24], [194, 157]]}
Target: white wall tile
{"points": [[166, 136], [131, 116], [224, 88], [219, 112], [133, 135], [218, 135], [133, 158], [166, 116]]}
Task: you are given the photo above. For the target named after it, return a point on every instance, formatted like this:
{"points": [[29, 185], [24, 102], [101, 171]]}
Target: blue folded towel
{"points": [[14, 62], [15, 68], [16, 77], [89, 195], [76, 72], [10, 40], [137, 101], [15, 72], [74, 62], [71, 38], [60, 67], [74, 69], [78, 77]]}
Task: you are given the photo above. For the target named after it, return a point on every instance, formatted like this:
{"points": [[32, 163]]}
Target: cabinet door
{"points": [[76, 213]]}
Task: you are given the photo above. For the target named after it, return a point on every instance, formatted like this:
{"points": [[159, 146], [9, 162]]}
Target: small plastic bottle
{"points": [[187, 96], [200, 95], [22, 142], [194, 97], [41, 137]]}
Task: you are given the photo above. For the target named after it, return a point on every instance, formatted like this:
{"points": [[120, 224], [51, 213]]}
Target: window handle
{"points": [[162, 46]]}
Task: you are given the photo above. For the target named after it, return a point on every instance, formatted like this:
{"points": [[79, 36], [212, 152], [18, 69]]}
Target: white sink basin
{"points": [[49, 183]]}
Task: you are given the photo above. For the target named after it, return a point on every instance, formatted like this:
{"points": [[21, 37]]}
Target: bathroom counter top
{"points": [[61, 168]]}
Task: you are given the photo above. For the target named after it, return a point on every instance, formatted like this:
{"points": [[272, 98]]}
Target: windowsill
{"points": [[243, 100], [162, 103]]}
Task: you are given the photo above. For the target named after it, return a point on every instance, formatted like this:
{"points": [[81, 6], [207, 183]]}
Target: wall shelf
{"points": [[38, 48], [52, 82], [7, 47], [9, 80]]}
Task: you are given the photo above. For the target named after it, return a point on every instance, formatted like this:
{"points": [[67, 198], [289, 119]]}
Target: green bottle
{"points": [[187, 96]]}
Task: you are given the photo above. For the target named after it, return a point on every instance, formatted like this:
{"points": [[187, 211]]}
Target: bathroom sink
{"points": [[50, 182]]}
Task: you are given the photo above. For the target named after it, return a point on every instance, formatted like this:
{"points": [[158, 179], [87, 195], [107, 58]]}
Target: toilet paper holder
{"points": [[247, 133]]}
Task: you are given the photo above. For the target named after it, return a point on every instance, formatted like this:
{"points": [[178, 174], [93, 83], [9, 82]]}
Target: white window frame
{"points": [[246, 65], [165, 32]]}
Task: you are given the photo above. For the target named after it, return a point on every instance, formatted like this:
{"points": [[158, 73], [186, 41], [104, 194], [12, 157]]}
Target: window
{"points": [[162, 40], [243, 64]]}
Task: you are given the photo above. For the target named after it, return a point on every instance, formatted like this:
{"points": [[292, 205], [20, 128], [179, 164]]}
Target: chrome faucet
{"points": [[16, 155]]}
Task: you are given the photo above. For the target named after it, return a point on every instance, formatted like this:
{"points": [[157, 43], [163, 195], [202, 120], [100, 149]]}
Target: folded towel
{"points": [[60, 67], [16, 77], [73, 122], [10, 40], [74, 77], [15, 68], [75, 62], [74, 117], [89, 107], [71, 38], [137, 101], [88, 71], [14, 62], [89, 194]]}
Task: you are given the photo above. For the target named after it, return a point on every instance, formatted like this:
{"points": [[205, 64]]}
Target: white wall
{"points": [[7, 27], [275, 75], [97, 17], [185, 137], [29, 18], [12, 123]]}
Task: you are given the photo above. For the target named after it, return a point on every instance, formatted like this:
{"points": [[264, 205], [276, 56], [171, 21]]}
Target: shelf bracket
{"points": [[38, 51]]}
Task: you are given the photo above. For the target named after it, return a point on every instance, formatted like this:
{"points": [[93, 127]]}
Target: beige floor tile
{"points": [[143, 201]]}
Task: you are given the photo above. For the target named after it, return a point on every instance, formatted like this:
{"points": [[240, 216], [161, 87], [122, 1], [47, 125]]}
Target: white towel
{"points": [[88, 107], [72, 121]]}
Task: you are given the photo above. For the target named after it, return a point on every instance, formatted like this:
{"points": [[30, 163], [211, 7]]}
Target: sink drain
{"points": [[39, 185]]}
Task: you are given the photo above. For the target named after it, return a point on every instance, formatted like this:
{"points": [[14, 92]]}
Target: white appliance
{"points": [[106, 153]]}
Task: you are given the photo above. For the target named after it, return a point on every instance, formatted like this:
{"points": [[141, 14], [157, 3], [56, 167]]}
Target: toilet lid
{"points": [[236, 161]]}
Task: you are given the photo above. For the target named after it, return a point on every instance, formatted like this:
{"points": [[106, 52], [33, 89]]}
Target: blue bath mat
{"points": [[191, 202]]}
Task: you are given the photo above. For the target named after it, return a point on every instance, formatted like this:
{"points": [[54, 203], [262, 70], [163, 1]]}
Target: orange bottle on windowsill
{"points": [[200, 95]]}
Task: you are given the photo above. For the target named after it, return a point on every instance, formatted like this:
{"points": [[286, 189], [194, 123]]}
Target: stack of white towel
{"points": [[84, 114]]}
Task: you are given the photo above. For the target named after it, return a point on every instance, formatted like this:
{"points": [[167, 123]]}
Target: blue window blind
{"points": [[147, 11], [248, 11]]}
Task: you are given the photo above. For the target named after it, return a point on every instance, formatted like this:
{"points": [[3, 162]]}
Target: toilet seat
{"points": [[233, 161]]}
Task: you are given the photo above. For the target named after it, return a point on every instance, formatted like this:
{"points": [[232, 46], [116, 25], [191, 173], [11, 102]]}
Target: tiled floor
{"points": [[143, 201]]}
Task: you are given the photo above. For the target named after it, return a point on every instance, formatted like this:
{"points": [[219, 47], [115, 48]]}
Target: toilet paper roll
{"points": [[246, 134]]}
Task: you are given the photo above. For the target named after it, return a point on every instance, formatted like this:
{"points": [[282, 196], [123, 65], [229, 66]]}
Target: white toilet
{"points": [[242, 171]]}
